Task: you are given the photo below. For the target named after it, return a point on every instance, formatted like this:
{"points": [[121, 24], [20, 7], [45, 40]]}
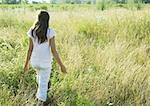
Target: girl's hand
{"points": [[63, 69], [26, 68]]}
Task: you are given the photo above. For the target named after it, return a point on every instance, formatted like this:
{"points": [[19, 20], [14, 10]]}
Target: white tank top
{"points": [[41, 54]]}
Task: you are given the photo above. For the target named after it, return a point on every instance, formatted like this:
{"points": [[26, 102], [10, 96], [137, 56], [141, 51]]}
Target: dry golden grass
{"points": [[107, 55]]}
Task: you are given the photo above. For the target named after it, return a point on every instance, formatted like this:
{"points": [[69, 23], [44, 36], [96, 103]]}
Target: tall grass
{"points": [[107, 56]]}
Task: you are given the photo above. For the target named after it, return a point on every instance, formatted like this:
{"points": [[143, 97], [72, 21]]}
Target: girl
{"points": [[41, 39]]}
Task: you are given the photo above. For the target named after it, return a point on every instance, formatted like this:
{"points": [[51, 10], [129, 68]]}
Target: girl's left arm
{"points": [[29, 52]]}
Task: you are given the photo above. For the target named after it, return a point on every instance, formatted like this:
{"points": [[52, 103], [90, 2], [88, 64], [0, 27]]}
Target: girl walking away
{"points": [[41, 44]]}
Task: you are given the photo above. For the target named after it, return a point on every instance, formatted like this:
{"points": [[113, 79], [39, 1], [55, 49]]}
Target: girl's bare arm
{"points": [[55, 54], [29, 52]]}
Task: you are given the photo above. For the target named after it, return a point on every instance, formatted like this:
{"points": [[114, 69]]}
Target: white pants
{"points": [[42, 78]]}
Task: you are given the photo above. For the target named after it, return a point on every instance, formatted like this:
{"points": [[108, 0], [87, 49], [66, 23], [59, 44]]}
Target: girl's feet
{"points": [[40, 103]]}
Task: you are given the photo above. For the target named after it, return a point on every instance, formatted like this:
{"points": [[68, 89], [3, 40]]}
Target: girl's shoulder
{"points": [[51, 33], [29, 32]]}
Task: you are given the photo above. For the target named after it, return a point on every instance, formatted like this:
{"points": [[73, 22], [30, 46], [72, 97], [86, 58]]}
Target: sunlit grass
{"points": [[106, 54]]}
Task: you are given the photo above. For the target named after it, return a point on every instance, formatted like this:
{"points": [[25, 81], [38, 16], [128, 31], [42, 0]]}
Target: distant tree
{"points": [[87, 1], [34, 2], [2, 1], [138, 1], [94, 1], [53, 1], [14, 1], [75, 1], [68, 1], [19, 1], [146, 1], [120, 1], [9, 1], [24, 1]]}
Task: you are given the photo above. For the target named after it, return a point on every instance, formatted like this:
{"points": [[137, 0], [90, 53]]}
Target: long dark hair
{"points": [[41, 26]]}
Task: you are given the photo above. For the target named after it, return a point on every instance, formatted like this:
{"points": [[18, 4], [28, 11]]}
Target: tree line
{"points": [[74, 1], [13, 1]]}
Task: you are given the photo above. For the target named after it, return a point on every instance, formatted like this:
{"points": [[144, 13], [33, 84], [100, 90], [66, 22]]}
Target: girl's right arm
{"points": [[29, 52]]}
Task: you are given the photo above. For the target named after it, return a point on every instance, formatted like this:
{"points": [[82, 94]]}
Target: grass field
{"points": [[107, 55]]}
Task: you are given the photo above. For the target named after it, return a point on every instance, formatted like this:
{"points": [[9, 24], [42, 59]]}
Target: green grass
{"points": [[75, 7], [107, 55], [50, 7]]}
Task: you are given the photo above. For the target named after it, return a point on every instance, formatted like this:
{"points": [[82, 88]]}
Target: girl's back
{"points": [[41, 51]]}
